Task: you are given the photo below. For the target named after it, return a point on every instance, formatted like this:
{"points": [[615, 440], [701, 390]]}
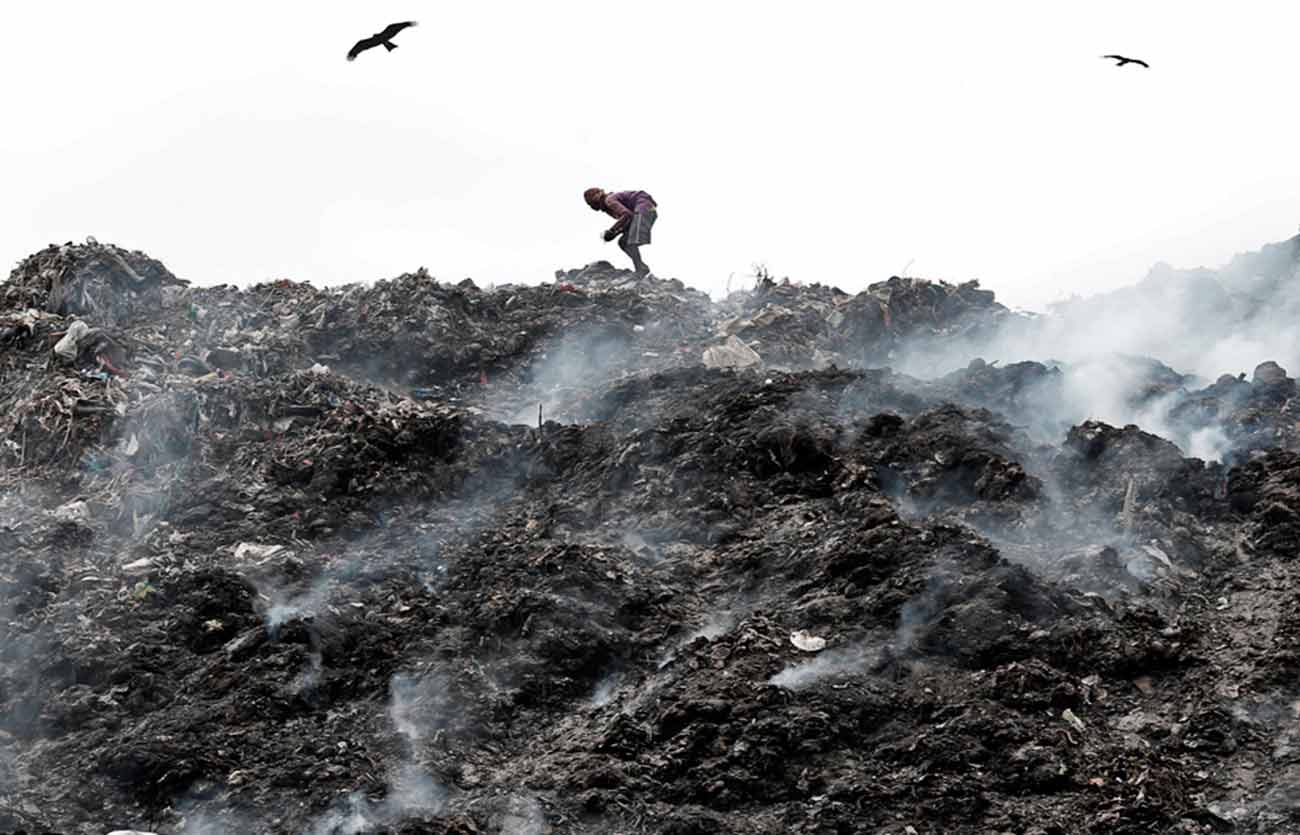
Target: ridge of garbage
{"points": [[607, 555]]}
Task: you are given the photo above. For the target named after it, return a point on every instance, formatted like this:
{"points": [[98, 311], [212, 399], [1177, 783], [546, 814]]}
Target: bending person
{"points": [[634, 213]]}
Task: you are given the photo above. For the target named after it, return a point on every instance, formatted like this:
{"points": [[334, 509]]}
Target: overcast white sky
{"points": [[835, 142]]}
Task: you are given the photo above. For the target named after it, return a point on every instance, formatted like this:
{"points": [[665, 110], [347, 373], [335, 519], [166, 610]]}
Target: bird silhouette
{"points": [[385, 37], [1122, 61]]}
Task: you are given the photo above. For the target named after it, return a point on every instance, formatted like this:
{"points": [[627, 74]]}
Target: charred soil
{"points": [[292, 560]]}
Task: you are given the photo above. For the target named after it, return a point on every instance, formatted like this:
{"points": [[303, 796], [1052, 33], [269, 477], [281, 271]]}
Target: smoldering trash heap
{"points": [[607, 555]]}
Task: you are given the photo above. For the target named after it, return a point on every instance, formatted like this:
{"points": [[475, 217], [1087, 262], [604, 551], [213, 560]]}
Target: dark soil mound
{"points": [[306, 561]]}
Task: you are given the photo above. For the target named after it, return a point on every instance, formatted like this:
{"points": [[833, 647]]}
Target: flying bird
{"points": [[1122, 61], [385, 37]]}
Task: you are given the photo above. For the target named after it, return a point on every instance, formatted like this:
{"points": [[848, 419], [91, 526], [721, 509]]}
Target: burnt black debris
{"points": [[297, 560]]}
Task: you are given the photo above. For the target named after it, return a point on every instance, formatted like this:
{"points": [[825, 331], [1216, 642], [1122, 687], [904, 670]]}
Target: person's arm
{"points": [[622, 215]]}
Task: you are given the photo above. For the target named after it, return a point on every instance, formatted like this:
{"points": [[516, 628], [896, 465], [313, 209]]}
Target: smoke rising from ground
{"points": [[204, 822], [920, 611], [1205, 322], [523, 816], [417, 703], [915, 616], [1200, 324], [571, 362], [306, 604], [832, 662], [605, 690], [717, 625]]}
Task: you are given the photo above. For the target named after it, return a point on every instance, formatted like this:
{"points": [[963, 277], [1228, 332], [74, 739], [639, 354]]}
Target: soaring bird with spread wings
{"points": [[385, 37], [1121, 61]]}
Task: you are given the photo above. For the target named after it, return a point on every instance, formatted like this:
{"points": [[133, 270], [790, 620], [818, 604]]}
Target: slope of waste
{"points": [[607, 556]]}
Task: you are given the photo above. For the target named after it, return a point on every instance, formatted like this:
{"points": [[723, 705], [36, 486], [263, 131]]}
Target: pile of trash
{"points": [[794, 326], [104, 282], [606, 555]]}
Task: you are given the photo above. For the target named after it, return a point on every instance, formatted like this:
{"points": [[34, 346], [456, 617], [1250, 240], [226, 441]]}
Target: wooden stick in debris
{"points": [[539, 415], [1130, 505]]}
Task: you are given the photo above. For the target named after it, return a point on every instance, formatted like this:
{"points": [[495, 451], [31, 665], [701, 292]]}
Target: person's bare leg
{"points": [[634, 253]]}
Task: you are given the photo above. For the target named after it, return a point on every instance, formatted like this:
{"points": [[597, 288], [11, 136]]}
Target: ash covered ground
{"points": [[607, 556]]}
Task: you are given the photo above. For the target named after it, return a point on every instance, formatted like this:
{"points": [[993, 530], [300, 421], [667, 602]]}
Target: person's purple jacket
{"points": [[622, 205]]}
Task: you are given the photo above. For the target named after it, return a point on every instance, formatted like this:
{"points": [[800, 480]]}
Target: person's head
{"points": [[595, 198]]}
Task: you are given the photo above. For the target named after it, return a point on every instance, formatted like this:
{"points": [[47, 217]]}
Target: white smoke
{"points": [[717, 625], [568, 366], [850, 660], [285, 608], [605, 690], [1201, 322], [919, 612], [308, 679], [523, 816], [415, 703]]}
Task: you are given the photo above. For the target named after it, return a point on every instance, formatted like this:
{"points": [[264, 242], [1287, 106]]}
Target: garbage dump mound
{"points": [[606, 556]]}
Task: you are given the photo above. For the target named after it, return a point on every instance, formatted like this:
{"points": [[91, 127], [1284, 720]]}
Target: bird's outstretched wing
{"points": [[1123, 60], [362, 45], [393, 28]]}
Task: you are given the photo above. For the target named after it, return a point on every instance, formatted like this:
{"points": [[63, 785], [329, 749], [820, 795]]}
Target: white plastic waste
{"points": [[256, 550], [73, 511], [67, 346], [733, 353], [806, 642]]}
